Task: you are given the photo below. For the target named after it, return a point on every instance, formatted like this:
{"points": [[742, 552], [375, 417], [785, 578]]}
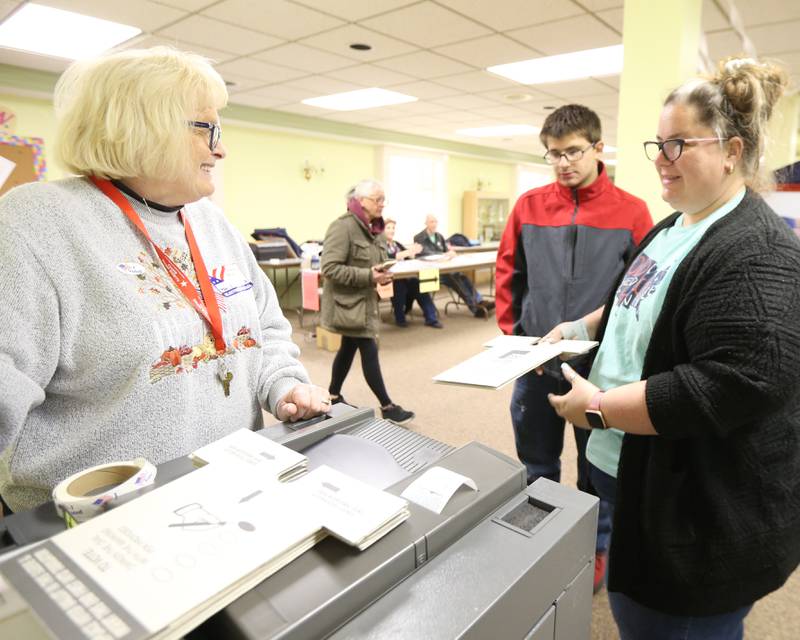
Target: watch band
{"points": [[594, 414]]}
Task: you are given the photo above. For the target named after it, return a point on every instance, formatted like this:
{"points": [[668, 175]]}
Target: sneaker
{"points": [[397, 414], [435, 324], [600, 565]]}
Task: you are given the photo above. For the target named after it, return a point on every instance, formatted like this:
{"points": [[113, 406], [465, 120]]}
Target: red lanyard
{"points": [[207, 306]]}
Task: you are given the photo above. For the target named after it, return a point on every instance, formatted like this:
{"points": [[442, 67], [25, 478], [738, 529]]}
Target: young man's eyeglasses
{"points": [[214, 132], [572, 155], [673, 148]]}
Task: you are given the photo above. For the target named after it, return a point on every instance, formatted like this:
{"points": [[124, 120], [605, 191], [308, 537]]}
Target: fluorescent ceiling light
{"points": [[591, 63], [360, 99], [62, 34], [610, 161], [500, 131], [607, 148]]}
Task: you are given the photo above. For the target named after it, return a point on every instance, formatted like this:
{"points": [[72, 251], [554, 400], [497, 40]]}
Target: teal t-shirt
{"points": [[636, 307]]}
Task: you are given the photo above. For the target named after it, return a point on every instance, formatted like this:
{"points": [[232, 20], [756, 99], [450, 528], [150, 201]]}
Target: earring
{"points": [[728, 168]]}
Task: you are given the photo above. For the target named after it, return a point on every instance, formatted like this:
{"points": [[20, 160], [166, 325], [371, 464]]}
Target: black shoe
{"points": [[338, 399], [401, 323], [397, 414], [435, 324], [481, 312]]}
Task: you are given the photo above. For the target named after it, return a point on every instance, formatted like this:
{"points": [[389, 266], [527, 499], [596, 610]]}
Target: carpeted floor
{"points": [[411, 357]]}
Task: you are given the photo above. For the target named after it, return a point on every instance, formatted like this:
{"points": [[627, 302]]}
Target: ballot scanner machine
{"points": [[505, 561]]}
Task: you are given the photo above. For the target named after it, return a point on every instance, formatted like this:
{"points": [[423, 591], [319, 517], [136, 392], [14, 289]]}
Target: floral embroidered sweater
{"points": [[102, 358]]}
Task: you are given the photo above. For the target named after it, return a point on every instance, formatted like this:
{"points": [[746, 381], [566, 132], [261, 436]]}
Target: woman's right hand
{"points": [[381, 277]]}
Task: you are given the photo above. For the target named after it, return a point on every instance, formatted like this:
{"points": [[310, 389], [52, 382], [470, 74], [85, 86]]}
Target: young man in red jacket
{"points": [[563, 247]]}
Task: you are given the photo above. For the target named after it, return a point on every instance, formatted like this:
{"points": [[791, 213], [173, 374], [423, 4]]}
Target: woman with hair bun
{"points": [[136, 321], [693, 397]]}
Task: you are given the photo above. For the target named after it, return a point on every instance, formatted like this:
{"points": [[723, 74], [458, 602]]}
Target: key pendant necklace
{"points": [[225, 376]]}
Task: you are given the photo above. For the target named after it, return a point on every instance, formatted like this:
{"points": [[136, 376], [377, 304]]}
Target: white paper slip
{"points": [[576, 347], [512, 341], [6, 169], [434, 488], [245, 448], [349, 509], [498, 366]]}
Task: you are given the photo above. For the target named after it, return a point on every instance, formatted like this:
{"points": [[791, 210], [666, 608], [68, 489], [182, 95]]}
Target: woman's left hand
{"points": [[572, 405], [302, 402]]}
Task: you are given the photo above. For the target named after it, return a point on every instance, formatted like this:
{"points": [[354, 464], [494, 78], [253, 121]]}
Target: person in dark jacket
{"points": [[406, 290], [697, 375], [562, 248], [432, 243], [353, 251]]}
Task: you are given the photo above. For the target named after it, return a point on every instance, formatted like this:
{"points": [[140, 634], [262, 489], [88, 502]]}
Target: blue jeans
{"points": [[539, 437], [636, 621], [463, 287], [405, 292], [605, 487]]}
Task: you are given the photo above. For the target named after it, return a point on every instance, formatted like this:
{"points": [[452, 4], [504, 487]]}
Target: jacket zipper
{"points": [[573, 247]]}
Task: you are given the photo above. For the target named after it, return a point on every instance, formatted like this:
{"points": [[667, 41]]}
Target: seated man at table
{"points": [[433, 242]]}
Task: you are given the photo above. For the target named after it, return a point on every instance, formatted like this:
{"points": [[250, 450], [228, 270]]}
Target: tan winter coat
{"points": [[349, 298]]}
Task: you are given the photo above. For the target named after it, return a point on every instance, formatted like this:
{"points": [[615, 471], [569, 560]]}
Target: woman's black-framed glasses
{"points": [[214, 132], [572, 155], [672, 148]]}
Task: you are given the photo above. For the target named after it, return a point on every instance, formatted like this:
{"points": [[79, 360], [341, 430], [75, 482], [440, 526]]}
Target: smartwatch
{"points": [[594, 415]]}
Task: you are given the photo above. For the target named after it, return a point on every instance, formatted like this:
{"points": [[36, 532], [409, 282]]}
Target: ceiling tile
{"points": [[215, 55], [722, 44], [418, 108], [774, 38], [32, 61], [512, 14], [424, 64], [283, 94], [563, 36], [612, 17], [370, 76], [200, 30], [275, 17], [764, 11], [355, 9], [263, 71], [240, 84], [422, 120], [426, 24], [6, 7], [576, 88], [187, 5], [353, 117], [303, 110], [476, 81], [505, 112], [466, 101], [601, 103], [600, 5], [339, 40], [425, 90], [148, 16], [501, 95], [299, 56], [249, 99], [322, 85], [459, 117], [712, 18], [488, 50]]}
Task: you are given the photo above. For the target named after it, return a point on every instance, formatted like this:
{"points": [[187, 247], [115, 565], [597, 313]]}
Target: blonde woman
{"points": [[694, 396], [135, 319]]}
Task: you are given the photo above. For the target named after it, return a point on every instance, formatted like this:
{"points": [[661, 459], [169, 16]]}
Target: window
{"points": [[416, 185], [530, 176]]}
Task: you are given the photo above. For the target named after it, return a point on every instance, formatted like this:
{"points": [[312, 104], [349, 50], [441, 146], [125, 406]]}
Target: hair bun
{"points": [[751, 87]]}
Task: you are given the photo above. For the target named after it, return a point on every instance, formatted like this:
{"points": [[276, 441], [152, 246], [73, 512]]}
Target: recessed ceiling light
{"points": [[500, 131], [360, 46], [590, 63], [62, 34], [549, 107], [359, 99]]}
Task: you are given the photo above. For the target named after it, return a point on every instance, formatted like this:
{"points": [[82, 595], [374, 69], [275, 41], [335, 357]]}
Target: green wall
{"points": [[263, 179]]}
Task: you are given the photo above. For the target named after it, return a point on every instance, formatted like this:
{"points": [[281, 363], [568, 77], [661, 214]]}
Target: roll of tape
{"points": [[92, 491]]}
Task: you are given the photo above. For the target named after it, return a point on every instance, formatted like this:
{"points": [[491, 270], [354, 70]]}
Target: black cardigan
{"points": [[707, 515]]}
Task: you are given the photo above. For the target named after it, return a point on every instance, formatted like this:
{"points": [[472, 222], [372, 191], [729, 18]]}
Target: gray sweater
{"points": [[101, 359]]}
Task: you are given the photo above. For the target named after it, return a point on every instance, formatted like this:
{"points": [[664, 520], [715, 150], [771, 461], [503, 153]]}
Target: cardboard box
{"points": [[328, 340]]}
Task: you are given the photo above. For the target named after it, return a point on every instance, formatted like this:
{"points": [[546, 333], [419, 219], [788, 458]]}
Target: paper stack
{"points": [[250, 450]]}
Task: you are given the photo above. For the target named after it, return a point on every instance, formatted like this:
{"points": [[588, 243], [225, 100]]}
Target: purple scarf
{"points": [[375, 226]]}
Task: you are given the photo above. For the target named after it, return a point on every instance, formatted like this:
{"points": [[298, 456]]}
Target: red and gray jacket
{"points": [[561, 251]]}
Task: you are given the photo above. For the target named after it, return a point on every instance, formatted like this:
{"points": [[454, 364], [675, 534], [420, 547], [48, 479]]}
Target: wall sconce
{"points": [[482, 183], [312, 170]]}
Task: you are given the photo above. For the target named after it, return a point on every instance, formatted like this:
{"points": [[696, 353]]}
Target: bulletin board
{"points": [[28, 155]]}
